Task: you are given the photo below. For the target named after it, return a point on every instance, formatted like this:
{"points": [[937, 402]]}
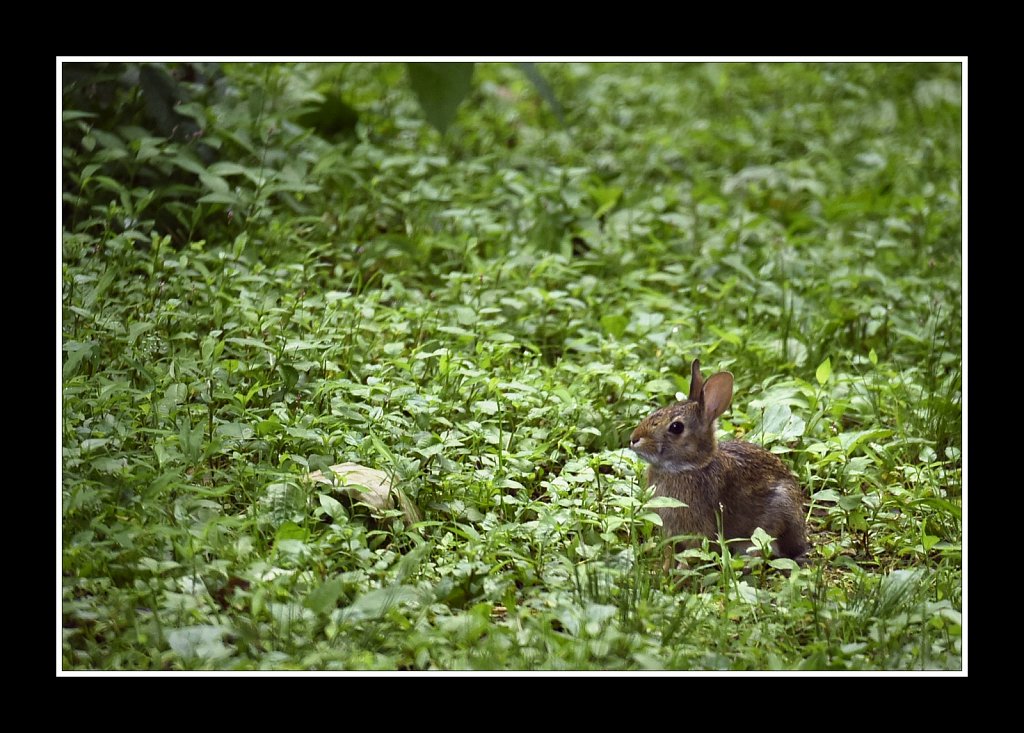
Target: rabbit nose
{"points": [[634, 438]]}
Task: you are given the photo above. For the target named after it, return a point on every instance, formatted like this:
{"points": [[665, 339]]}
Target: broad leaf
{"points": [[440, 89], [663, 502], [378, 602], [202, 642], [780, 423], [824, 371], [325, 597]]}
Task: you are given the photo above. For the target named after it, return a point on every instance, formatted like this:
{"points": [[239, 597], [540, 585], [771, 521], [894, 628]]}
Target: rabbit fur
{"points": [[748, 485]]}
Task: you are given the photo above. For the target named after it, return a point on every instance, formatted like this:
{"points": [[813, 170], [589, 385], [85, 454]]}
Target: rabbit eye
{"points": [[676, 428]]}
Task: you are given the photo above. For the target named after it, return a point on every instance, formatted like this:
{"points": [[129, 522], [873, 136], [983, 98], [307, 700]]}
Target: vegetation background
{"points": [[478, 279]]}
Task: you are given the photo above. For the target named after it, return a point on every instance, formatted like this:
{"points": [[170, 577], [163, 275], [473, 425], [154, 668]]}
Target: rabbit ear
{"points": [[717, 395], [696, 382]]}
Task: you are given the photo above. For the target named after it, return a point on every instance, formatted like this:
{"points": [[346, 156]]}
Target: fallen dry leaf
{"points": [[371, 486]]}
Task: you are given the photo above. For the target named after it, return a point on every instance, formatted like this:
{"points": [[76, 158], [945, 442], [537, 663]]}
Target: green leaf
{"points": [[71, 114], [138, 328], [77, 352], [606, 197], [190, 438], [734, 337], [660, 387], [761, 538], [412, 560], [430, 450], [851, 502], [853, 440], [663, 502], [109, 141], [185, 162], [653, 518], [824, 371], [488, 407], [226, 168], [237, 430], [409, 508], [440, 89], [780, 423], [333, 507], [873, 357], [215, 183], [377, 602], [951, 614], [614, 324], [324, 598], [290, 531], [228, 198], [826, 495], [108, 464], [91, 444], [250, 342], [203, 642], [101, 287], [899, 585], [932, 501]]}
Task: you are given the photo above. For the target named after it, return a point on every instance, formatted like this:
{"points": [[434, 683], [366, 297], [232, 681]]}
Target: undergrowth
{"points": [[486, 316]]}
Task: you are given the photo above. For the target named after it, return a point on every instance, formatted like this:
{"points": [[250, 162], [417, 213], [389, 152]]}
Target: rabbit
{"points": [[750, 486]]}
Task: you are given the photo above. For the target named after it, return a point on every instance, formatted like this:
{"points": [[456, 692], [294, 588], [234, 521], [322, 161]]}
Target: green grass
{"points": [[486, 316]]}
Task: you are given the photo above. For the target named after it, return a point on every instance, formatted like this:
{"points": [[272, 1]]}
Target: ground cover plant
{"points": [[269, 269]]}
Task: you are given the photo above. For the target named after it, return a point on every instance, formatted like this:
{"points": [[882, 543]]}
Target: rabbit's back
{"points": [[759, 491], [750, 486]]}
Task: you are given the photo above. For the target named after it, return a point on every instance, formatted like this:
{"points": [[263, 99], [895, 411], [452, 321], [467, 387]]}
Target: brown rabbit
{"points": [[750, 486]]}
